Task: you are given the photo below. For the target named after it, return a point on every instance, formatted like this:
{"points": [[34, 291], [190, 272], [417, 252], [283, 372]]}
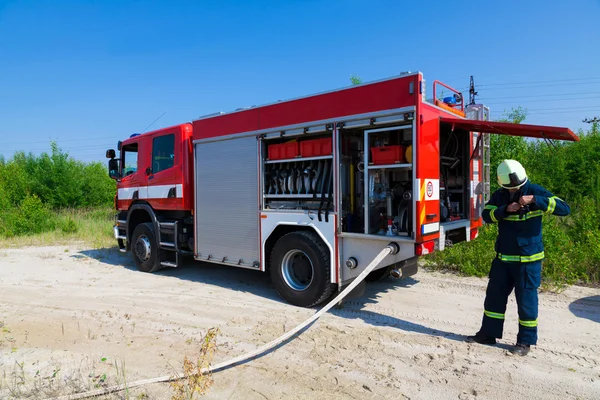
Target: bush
{"points": [[33, 189], [58, 180], [469, 258], [69, 226], [32, 217], [570, 170]]}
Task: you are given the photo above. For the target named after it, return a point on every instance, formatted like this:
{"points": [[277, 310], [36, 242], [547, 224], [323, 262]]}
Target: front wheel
{"points": [[144, 248], [301, 269]]}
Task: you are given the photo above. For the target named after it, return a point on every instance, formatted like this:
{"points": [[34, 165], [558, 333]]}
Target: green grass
{"points": [[572, 249], [92, 227]]}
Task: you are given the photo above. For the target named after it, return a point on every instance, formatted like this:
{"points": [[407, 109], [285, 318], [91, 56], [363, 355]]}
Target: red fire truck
{"points": [[311, 189]]}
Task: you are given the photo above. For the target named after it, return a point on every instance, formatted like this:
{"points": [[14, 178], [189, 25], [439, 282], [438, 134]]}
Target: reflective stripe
{"points": [[529, 324], [504, 257], [531, 258], [494, 315], [490, 207], [551, 204], [492, 216], [529, 215], [534, 257]]}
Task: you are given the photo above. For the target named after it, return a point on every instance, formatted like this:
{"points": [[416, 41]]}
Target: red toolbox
{"points": [[316, 147], [283, 151], [387, 155]]}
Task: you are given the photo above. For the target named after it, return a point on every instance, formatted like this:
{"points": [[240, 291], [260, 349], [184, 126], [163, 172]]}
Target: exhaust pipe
{"points": [[404, 269]]}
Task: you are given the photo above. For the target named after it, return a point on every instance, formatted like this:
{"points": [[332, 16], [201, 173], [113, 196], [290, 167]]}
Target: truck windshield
{"points": [[130, 159]]}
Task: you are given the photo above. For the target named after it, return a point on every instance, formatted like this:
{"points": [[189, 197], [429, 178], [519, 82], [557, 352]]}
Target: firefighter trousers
{"points": [[525, 279]]}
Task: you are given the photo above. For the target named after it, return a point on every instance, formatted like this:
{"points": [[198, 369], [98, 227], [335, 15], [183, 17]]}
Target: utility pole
{"points": [[472, 92], [594, 120]]}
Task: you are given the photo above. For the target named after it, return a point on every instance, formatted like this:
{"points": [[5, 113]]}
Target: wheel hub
{"points": [[297, 270], [143, 249]]}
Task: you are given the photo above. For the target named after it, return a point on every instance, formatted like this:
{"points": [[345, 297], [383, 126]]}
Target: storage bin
{"points": [[387, 155], [316, 147], [283, 151]]}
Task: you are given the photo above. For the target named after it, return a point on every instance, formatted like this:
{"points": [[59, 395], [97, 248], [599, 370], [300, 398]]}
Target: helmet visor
{"points": [[511, 181]]}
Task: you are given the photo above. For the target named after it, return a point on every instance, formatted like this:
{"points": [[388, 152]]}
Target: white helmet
{"points": [[511, 174]]}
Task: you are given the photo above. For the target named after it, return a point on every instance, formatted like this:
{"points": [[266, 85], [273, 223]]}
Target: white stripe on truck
{"points": [[150, 192]]}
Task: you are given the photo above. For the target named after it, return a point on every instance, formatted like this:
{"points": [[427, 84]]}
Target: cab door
{"points": [[132, 185], [165, 190]]}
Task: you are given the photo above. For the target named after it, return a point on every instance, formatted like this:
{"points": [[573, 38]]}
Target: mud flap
{"points": [[409, 270], [409, 267]]}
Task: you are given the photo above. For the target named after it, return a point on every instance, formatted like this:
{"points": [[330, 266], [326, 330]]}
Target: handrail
{"points": [[462, 101]]}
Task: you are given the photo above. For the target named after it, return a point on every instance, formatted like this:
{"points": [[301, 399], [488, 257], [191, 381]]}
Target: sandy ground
{"points": [[74, 318]]}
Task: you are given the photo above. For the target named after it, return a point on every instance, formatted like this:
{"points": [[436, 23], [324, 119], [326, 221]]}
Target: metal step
{"points": [[169, 245]]}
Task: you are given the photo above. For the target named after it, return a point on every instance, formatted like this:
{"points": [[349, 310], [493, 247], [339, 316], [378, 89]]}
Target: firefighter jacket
{"points": [[520, 233]]}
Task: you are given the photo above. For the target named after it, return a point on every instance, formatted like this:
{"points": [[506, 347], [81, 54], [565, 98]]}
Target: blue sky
{"points": [[88, 73]]}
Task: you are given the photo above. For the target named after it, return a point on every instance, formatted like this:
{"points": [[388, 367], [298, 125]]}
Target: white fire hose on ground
{"points": [[392, 248]]}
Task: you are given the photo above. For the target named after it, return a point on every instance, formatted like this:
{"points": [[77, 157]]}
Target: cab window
{"points": [[163, 153], [130, 159]]}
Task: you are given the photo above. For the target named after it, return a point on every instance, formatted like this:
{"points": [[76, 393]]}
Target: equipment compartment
{"points": [[376, 184], [454, 174], [304, 182]]}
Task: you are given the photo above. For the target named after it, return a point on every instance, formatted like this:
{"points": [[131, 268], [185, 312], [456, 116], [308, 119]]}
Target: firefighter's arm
{"points": [[551, 204], [492, 212]]}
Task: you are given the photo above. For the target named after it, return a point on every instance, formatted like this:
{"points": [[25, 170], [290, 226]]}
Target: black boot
{"points": [[481, 339], [520, 349]]}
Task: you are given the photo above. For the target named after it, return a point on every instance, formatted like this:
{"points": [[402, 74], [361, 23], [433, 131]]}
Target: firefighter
{"points": [[517, 207]]}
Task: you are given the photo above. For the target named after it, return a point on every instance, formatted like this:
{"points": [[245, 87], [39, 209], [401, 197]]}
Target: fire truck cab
{"points": [[311, 189]]}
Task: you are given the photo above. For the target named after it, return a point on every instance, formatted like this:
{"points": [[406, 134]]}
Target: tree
{"points": [[503, 147], [515, 115], [355, 79]]}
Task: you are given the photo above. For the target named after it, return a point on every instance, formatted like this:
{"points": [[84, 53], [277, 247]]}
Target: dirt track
{"points": [[76, 313]]}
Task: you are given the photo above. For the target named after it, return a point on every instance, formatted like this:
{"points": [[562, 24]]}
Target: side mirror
{"points": [[113, 168], [110, 153]]}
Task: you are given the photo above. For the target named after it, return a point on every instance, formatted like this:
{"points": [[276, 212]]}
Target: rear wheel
{"points": [[144, 248], [301, 269]]}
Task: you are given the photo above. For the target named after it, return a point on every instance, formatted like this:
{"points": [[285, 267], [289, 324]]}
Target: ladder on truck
{"points": [[167, 243], [486, 166], [482, 113]]}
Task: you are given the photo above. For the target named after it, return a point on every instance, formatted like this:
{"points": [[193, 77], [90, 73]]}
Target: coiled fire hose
{"points": [[391, 248]]}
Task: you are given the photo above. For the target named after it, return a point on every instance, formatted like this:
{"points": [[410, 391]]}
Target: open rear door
{"points": [[507, 128]]}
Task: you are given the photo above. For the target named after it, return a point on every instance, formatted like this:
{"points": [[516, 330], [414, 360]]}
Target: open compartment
{"points": [[454, 174], [298, 173], [376, 180]]}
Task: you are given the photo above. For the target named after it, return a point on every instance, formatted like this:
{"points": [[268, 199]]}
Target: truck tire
{"points": [[301, 269], [144, 248]]}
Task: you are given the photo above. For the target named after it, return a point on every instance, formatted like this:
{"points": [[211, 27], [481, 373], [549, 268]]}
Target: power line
{"points": [[542, 100], [539, 95], [563, 108], [513, 87], [546, 81], [68, 140], [564, 112], [485, 85]]}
